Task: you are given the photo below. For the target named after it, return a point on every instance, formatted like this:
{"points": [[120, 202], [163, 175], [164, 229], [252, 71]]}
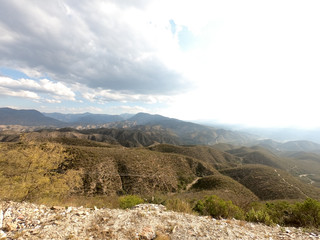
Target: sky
{"points": [[255, 63]]}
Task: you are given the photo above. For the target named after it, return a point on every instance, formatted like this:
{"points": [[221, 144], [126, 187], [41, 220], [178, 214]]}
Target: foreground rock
{"points": [[146, 221]]}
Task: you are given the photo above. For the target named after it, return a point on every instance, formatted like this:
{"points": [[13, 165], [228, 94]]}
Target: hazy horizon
{"points": [[250, 63]]}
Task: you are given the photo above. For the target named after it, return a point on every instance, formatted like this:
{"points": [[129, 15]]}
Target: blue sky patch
{"points": [[186, 38], [12, 73]]}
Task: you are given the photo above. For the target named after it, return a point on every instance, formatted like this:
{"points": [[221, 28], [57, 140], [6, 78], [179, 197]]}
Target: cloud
{"points": [[127, 109], [103, 96], [31, 88], [65, 109], [111, 45], [19, 93]]}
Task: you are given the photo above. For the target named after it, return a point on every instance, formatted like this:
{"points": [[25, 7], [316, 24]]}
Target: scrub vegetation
{"points": [[197, 180]]}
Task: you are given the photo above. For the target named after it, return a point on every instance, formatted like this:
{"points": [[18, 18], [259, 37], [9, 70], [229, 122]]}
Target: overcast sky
{"points": [[248, 62]]}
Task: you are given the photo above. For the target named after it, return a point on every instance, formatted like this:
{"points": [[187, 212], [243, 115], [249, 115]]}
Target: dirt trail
{"points": [[291, 184], [192, 183]]}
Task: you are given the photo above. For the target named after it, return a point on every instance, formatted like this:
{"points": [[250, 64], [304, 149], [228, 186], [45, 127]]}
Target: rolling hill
{"points": [[269, 183], [217, 159], [256, 155]]}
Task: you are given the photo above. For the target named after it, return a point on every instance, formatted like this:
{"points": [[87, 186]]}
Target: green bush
{"points": [[129, 201], [218, 208], [280, 212], [260, 216], [307, 214], [299, 214]]}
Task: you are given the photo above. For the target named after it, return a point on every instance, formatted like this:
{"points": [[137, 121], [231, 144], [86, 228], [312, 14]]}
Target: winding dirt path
{"points": [[192, 183], [291, 184]]}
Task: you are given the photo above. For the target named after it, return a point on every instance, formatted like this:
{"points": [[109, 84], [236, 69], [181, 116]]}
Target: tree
{"points": [[28, 171]]}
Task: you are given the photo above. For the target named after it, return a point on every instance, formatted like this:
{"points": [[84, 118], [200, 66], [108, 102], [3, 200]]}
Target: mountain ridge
{"points": [[186, 132], [171, 130]]}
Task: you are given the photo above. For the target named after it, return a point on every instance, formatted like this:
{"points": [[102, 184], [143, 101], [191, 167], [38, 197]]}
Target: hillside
{"points": [[257, 155], [304, 165], [220, 185], [270, 183], [134, 171], [170, 168], [145, 221], [215, 158]]}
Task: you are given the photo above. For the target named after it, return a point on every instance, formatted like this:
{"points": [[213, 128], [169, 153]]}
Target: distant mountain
{"points": [[98, 119], [286, 134], [126, 116], [170, 130], [149, 119], [300, 146], [10, 116], [87, 118], [291, 146], [192, 133], [66, 117]]}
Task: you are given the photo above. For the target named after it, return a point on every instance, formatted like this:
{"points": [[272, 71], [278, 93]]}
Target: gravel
{"points": [[145, 221]]}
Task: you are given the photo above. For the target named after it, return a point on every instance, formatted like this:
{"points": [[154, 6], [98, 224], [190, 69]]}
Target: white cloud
{"points": [[104, 96], [55, 89], [250, 61], [52, 101], [126, 109], [58, 89], [18, 93], [101, 44], [74, 110], [32, 72]]}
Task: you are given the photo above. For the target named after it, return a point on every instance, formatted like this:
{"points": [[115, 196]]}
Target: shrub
{"points": [[260, 216], [178, 205], [218, 208], [129, 201], [280, 212], [307, 214], [299, 214]]}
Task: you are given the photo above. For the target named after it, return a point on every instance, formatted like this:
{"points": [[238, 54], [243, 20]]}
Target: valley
{"points": [[156, 158]]}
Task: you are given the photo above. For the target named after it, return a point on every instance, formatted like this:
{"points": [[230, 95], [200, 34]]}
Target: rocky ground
{"points": [[145, 221]]}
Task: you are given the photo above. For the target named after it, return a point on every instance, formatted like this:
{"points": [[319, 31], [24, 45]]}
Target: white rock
{"points": [[2, 234], [1, 218]]}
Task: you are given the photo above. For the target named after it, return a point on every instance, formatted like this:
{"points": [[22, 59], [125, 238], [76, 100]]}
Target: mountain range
{"points": [[141, 129], [148, 154], [141, 125]]}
